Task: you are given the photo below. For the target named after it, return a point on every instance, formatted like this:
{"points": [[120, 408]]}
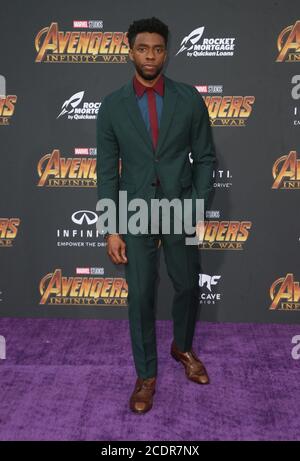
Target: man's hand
{"points": [[116, 248]]}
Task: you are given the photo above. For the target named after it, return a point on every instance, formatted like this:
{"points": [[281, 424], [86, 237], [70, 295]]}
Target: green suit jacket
{"points": [[184, 128]]}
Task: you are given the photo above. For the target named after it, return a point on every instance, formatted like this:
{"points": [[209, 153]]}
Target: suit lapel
{"points": [[134, 113], [168, 111]]}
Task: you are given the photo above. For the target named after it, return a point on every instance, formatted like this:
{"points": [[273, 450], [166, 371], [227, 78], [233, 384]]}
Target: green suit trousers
{"points": [[141, 273]]}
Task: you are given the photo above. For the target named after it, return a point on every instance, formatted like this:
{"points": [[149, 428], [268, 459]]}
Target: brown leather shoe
{"points": [[141, 399], [194, 368]]}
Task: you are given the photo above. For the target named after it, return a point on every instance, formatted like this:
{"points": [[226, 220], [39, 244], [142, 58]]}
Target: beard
{"points": [[148, 76]]}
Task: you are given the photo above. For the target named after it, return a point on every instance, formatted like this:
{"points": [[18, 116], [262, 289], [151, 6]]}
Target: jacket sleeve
{"points": [[107, 158], [202, 150]]}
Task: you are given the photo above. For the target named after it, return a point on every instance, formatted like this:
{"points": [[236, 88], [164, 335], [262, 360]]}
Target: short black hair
{"points": [[147, 25]]}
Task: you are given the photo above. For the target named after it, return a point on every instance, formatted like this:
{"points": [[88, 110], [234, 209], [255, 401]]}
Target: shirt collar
{"points": [[140, 88]]}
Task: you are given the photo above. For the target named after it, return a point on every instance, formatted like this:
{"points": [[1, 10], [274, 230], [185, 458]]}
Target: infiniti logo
{"points": [[84, 215]]}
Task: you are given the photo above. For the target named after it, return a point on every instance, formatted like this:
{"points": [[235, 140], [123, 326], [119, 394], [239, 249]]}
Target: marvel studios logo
{"points": [[88, 24], [212, 214], [209, 88], [89, 270], [89, 151]]}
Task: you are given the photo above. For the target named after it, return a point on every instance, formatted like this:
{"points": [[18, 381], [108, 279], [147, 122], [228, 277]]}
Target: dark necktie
{"points": [[152, 115]]}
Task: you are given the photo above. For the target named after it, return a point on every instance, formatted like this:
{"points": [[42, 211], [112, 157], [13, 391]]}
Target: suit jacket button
{"points": [[156, 183]]}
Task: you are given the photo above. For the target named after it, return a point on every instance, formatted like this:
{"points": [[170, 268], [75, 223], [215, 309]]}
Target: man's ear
{"points": [[130, 54]]}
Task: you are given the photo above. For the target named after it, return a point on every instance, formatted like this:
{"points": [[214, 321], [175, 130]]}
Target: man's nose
{"points": [[150, 54]]}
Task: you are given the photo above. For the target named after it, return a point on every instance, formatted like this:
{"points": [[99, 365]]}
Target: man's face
{"points": [[148, 54]]}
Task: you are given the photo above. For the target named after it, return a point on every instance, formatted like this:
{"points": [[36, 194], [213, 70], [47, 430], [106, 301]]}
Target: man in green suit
{"points": [[152, 124]]}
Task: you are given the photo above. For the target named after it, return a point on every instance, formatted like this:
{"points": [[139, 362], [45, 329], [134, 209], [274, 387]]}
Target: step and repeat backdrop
{"points": [[57, 62]]}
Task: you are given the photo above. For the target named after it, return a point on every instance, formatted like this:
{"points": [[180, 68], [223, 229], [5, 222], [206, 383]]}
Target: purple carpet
{"points": [[71, 380]]}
